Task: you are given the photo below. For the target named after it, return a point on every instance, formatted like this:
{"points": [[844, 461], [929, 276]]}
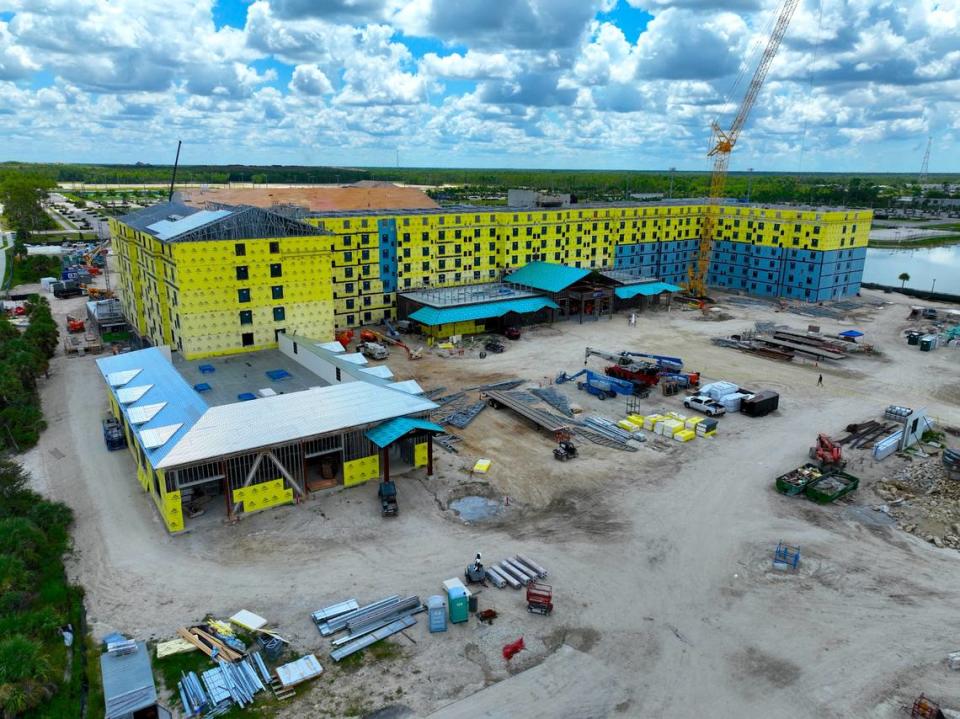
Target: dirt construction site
{"points": [[666, 599]]}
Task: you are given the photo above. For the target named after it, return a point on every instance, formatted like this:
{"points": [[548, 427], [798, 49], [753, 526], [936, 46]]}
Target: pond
{"points": [[928, 267]]}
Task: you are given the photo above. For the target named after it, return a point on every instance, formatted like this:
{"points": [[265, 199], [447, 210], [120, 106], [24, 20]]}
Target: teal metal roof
{"points": [[650, 288], [546, 276], [433, 316], [383, 435]]}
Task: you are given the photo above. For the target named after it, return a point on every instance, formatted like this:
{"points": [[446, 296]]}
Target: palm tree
{"points": [[904, 279]]}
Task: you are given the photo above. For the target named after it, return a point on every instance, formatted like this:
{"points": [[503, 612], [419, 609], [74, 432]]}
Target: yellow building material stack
{"points": [[684, 435]]}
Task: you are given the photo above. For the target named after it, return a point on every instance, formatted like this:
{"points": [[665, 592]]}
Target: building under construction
{"points": [[231, 279]]}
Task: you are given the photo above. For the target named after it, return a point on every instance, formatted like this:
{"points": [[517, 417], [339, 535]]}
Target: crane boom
{"points": [[722, 145]]}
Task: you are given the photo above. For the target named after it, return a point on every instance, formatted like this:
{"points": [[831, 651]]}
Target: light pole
{"points": [[672, 170], [933, 285], [749, 183]]}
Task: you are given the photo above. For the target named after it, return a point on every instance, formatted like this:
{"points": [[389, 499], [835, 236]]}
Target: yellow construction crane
{"points": [[722, 145]]}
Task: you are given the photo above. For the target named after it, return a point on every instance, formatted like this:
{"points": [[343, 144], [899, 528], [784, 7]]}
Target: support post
{"points": [[429, 456], [385, 463]]}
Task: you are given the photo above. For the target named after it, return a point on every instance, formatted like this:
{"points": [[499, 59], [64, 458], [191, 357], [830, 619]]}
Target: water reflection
{"points": [[924, 265]]}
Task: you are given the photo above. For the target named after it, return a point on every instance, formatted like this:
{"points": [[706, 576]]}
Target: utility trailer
{"points": [[831, 487]]}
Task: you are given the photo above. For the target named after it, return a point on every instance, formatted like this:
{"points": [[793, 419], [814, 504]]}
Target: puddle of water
{"points": [[476, 509]]}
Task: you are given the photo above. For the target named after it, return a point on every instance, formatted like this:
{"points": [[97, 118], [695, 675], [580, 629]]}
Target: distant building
{"points": [[532, 198]]}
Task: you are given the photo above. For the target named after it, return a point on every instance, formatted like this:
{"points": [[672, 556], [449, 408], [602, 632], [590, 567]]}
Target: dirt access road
{"points": [[660, 559]]}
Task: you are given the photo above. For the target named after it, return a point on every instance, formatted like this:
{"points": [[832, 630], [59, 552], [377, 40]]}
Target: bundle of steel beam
{"points": [[495, 577], [334, 625], [192, 696], [398, 625], [553, 398], [505, 576], [603, 440], [238, 680], [360, 623], [262, 667], [446, 441], [461, 418], [335, 610], [606, 427]]}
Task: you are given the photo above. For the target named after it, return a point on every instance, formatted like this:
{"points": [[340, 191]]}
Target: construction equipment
{"points": [[113, 435], [75, 324], [722, 145], [924, 708], [367, 335], [344, 337], [387, 492], [642, 369], [827, 453], [599, 385], [373, 350], [99, 293], [565, 450], [539, 598], [475, 573]]}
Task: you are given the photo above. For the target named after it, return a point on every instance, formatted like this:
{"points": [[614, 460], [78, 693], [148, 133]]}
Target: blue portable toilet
{"points": [[459, 604], [437, 613]]}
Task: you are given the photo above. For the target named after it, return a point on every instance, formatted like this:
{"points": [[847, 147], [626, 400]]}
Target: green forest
{"points": [[461, 185]]}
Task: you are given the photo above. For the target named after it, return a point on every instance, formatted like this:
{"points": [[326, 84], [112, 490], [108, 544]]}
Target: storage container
{"points": [[685, 435]]}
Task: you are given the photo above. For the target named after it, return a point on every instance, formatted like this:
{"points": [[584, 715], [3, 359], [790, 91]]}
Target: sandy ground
{"points": [[660, 560]]}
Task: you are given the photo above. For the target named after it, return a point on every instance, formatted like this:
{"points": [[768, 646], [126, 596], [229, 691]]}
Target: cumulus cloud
{"points": [[534, 82]]}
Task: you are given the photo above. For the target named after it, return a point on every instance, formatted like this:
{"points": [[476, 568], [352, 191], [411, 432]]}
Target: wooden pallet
{"points": [[279, 691]]}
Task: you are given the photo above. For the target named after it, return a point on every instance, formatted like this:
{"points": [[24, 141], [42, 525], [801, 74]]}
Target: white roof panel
{"points": [[145, 412], [128, 395], [355, 358], [244, 426], [381, 371], [157, 437], [165, 229], [410, 386], [118, 379], [334, 347]]}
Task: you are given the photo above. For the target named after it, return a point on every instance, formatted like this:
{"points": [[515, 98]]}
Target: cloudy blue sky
{"points": [[858, 84]]}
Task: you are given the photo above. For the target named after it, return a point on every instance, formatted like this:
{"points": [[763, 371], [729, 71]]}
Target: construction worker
{"points": [[820, 381]]}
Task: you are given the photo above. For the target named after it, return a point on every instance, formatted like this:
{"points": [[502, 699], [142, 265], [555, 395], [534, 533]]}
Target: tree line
{"points": [[36, 603], [24, 357], [22, 193]]}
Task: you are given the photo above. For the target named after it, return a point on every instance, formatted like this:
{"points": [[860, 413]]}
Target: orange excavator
{"points": [[827, 453], [372, 336]]}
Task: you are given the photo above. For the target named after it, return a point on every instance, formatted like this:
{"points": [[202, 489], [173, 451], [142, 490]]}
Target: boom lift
{"points": [[722, 145]]}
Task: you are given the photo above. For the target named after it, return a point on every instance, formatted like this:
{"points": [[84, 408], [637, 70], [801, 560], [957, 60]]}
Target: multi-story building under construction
{"points": [[218, 281]]}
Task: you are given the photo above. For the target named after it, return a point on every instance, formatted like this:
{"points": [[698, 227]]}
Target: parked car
{"points": [[709, 407], [494, 346], [512, 333]]}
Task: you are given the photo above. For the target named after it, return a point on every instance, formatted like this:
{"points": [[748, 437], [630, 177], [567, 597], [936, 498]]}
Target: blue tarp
{"points": [[546, 276], [647, 289], [433, 316], [851, 333], [383, 435]]}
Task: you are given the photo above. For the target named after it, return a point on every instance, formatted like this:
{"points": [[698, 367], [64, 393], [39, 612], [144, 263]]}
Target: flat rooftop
{"points": [[627, 204], [238, 374], [467, 294]]}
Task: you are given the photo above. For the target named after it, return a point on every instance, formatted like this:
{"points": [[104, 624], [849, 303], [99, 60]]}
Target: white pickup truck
{"points": [[709, 407]]}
